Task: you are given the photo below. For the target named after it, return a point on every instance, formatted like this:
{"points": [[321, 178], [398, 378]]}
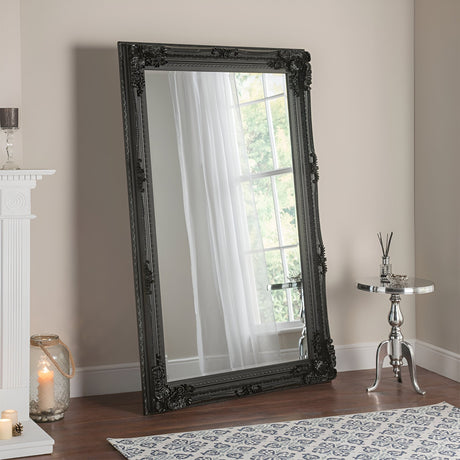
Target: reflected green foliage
{"points": [[288, 216], [280, 306], [249, 86], [274, 266], [257, 137], [263, 193], [293, 261], [281, 131]]}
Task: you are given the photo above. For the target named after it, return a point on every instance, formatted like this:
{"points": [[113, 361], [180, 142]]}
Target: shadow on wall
{"points": [[106, 315]]}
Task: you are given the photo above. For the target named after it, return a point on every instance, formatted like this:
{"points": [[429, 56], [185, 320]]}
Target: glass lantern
{"points": [[50, 362]]}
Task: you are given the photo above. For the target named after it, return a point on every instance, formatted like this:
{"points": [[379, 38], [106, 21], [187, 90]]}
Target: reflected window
{"points": [[268, 187]]}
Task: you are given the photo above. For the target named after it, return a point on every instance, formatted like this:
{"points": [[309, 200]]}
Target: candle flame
{"points": [[44, 365]]}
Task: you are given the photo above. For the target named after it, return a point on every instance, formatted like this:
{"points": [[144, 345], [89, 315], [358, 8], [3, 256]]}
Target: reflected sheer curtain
{"points": [[224, 284]]}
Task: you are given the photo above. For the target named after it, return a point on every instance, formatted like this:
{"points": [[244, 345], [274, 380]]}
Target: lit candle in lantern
{"points": [[45, 387], [11, 414], [6, 428]]}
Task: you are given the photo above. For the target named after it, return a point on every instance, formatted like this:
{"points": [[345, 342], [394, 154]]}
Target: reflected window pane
{"points": [[275, 84], [257, 137], [250, 87], [264, 300], [281, 132], [252, 218], [274, 263], [287, 209], [293, 262], [280, 307], [269, 194], [263, 196]]}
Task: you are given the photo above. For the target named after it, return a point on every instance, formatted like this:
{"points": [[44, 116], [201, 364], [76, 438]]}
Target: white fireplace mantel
{"points": [[15, 216]]}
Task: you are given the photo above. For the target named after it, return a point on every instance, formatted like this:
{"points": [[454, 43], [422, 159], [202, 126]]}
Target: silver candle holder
{"points": [[9, 124]]}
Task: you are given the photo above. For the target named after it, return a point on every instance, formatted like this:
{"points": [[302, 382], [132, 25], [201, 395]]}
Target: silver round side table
{"points": [[396, 348]]}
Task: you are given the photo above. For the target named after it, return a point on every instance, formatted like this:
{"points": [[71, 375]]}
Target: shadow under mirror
{"points": [[227, 234], [228, 258]]}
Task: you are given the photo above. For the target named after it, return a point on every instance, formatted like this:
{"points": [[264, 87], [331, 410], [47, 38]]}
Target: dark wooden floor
{"points": [[89, 421]]}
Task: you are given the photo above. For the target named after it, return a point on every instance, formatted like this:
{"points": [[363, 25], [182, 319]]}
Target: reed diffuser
{"points": [[385, 266]]}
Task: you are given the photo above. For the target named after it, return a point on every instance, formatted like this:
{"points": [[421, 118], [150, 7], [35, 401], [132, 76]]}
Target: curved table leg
{"points": [[302, 347], [408, 353], [382, 351]]}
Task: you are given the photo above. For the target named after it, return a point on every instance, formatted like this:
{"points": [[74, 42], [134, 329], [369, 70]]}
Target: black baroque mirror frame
{"points": [[159, 395]]}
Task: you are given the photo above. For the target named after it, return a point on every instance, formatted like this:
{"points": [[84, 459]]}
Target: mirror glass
{"points": [[247, 222], [229, 264]]}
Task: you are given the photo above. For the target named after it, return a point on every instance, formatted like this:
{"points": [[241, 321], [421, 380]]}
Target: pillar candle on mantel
{"points": [[6, 428], [45, 388], [11, 414]]}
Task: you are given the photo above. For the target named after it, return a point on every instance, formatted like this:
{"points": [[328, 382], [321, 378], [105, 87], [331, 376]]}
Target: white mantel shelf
{"points": [[15, 216], [27, 172], [24, 174]]}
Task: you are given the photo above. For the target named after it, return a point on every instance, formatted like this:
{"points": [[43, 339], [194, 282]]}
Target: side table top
{"points": [[409, 286]]}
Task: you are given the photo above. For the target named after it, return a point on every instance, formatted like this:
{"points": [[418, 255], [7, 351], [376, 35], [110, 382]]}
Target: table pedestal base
{"points": [[396, 348]]}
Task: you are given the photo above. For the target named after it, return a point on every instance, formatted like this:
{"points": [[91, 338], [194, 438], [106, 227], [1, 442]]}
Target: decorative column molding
{"points": [[15, 216]]}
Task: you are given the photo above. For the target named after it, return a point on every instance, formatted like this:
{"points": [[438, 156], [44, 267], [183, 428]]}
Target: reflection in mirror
{"points": [[229, 264], [226, 223]]}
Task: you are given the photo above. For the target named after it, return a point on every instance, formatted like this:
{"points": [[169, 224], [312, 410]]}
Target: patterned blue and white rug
{"points": [[429, 432]]}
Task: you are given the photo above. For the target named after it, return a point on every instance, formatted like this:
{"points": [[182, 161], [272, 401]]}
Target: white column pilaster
{"points": [[15, 216]]}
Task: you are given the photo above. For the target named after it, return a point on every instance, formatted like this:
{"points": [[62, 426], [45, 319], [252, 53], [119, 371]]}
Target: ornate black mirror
{"points": [[228, 258]]}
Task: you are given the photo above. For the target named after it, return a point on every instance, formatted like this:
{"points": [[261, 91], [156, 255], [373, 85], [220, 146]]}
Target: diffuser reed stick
{"points": [[385, 266], [386, 248]]}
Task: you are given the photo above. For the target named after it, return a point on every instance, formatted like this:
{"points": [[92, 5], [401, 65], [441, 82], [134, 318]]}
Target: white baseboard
{"points": [[122, 378], [108, 379], [439, 360], [357, 356], [362, 356], [178, 369]]}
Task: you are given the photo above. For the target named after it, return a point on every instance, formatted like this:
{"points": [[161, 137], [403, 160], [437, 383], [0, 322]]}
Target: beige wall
{"points": [[437, 167], [362, 57], [10, 69]]}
